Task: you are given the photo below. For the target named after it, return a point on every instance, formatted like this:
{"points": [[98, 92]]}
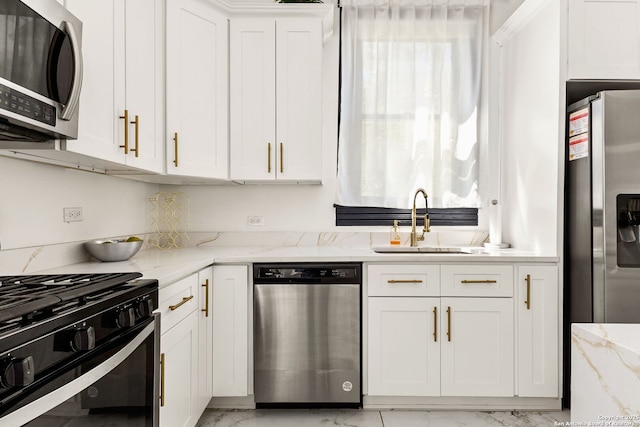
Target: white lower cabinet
{"points": [[179, 360], [185, 349], [179, 353], [231, 303], [538, 320], [404, 347], [477, 347], [440, 345], [205, 338]]}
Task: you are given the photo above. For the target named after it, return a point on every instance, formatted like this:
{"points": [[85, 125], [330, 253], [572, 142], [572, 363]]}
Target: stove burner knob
{"points": [[126, 318], [84, 339], [145, 308], [17, 372]]}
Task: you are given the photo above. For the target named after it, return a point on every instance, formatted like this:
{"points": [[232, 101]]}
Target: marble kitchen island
{"points": [[605, 374]]}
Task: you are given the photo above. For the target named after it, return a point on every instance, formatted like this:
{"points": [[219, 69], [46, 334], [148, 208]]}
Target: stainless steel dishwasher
{"points": [[307, 334]]}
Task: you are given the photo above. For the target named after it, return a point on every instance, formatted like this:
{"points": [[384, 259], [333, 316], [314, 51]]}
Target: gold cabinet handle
{"points": [[162, 379], [528, 300], [175, 148], [126, 131], [448, 323], [206, 296], [184, 301], [136, 122], [404, 281], [435, 324], [281, 158], [268, 157], [478, 281]]}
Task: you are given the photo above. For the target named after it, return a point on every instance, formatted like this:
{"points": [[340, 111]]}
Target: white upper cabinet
{"points": [[604, 39], [276, 99], [197, 106], [121, 100]]}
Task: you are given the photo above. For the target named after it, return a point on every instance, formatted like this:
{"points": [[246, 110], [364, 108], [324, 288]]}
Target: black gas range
{"points": [[78, 340]]}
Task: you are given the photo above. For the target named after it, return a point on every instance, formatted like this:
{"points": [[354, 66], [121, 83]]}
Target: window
{"points": [[411, 83]]}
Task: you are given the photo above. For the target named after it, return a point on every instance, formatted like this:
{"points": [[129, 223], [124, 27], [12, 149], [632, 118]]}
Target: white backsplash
{"points": [[37, 258]]}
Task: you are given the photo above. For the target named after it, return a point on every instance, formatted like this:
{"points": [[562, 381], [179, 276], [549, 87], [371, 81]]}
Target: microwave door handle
{"points": [[74, 97]]}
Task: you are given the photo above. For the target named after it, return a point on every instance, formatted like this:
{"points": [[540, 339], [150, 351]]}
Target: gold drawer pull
{"points": [[479, 281], [404, 281], [268, 157], [136, 122], [206, 298], [448, 323], [528, 301], [281, 159], [162, 379], [126, 131], [435, 324], [175, 148], [184, 301]]}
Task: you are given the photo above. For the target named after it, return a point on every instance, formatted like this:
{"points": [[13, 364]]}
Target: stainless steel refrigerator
{"points": [[603, 208], [602, 212]]}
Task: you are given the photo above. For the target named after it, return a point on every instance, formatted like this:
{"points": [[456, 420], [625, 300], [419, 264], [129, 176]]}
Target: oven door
{"points": [[116, 385]]}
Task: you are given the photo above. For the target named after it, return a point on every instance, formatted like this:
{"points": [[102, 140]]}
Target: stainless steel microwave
{"points": [[40, 71]]}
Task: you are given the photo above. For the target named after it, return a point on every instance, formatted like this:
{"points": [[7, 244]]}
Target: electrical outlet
{"points": [[72, 214], [255, 221]]}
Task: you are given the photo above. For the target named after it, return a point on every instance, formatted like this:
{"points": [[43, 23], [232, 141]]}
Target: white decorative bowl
{"points": [[112, 250]]}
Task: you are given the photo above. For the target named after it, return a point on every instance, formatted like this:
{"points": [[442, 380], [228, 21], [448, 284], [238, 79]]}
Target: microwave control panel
{"points": [[24, 105]]}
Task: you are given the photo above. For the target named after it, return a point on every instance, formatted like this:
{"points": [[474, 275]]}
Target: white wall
{"points": [[532, 124], [300, 207], [34, 194]]}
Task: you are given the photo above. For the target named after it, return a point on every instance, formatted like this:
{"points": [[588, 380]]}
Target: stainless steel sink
{"points": [[421, 250]]}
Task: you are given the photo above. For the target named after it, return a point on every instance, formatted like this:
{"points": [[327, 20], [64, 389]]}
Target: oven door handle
{"points": [[45, 403]]}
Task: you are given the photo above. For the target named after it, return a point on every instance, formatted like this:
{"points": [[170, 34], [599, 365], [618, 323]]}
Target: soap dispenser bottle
{"points": [[394, 238]]}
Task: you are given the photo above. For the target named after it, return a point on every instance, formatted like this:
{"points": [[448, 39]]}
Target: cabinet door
{"points": [[477, 347], [604, 39], [403, 347], [205, 338], [144, 82], [538, 329], [230, 330], [253, 99], [100, 132], [299, 99], [179, 372], [196, 58]]}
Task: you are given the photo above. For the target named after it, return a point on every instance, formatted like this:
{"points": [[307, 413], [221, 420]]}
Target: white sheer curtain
{"points": [[411, 79]]}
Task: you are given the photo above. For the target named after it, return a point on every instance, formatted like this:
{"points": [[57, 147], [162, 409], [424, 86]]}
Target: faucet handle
{"points": [[427, 224]]}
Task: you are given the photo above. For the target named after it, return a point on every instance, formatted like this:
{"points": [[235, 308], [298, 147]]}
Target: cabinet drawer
{"points": [[477, 280], [403, 280], [177, 301]]}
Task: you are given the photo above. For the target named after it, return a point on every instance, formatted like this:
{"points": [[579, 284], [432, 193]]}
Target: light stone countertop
{"points": [[206, 248], [169, 265]]}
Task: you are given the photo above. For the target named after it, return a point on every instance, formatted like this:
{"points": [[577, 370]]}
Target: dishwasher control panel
{"points": [[307, 273]]}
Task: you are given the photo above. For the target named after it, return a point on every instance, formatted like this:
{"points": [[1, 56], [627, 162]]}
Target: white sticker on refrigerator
{"points": [[579, 122], [579, 146]]}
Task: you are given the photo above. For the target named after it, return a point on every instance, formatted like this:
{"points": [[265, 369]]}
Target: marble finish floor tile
{"points": [[399, 418], [290, 418], [374, 418]]}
